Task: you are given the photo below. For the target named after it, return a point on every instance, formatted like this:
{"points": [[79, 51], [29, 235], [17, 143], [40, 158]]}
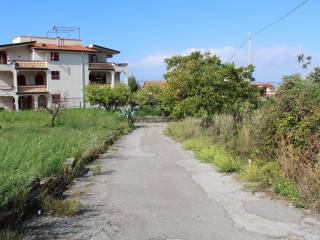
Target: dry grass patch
{"points": [[62, 207]]}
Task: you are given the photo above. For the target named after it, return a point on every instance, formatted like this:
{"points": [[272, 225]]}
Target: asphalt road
{"points": [[150, 188]]}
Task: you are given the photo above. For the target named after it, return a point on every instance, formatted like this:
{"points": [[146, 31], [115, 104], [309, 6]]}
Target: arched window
{"points": [[21, 80], [42, 101], [39, 79]]}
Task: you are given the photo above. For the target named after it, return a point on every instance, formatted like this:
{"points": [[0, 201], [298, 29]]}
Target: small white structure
{"points": [[36, 70]]}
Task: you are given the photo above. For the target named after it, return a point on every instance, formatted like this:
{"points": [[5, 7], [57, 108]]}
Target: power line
{"points": [[281, 18], [239, 48], [267, 27]]}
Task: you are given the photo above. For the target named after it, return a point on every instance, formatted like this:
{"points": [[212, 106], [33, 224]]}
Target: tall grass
{"points": [[30, 149], [230, 147], [207, 144]]}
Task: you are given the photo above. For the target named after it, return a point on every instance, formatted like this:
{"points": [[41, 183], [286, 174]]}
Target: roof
{"points": [[101, 66], [160, 84], [32, 89], [104, 49], [31, 65], [17, 44], [72, 48], [262, 84]]}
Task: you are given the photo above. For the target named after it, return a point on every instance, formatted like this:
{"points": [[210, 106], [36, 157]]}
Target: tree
{"points": [[210, 86], [133, 84], [110, 99]]}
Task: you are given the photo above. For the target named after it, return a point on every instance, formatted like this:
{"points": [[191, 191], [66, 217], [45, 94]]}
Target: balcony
{"points": [[28, 64], [8, 66], [101, 66], [32, 89]]}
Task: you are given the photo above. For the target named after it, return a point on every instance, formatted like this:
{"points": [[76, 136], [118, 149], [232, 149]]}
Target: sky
{"points": [[148, 31]]}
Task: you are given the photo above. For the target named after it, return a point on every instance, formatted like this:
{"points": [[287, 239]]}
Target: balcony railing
{"points": [[33, 89]]}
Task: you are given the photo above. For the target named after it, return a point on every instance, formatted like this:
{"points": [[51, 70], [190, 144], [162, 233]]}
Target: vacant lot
{"points": [[31, 149]]}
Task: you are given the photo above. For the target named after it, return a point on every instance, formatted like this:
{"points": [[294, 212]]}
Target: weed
{"points": [[96, 168], [8, 234], [61, 207]]}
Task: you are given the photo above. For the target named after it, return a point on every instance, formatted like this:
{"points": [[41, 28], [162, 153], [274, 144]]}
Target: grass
{"points": [[208, 146], [213, 154], [8, 234], [30, 149], [95, 168], [190, 134], [61, 207]]}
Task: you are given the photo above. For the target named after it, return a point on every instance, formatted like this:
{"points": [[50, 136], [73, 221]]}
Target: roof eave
{"points": [[113, 51]]}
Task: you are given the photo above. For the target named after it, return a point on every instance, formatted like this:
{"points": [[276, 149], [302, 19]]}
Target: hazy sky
{"points": [[147, 31]]}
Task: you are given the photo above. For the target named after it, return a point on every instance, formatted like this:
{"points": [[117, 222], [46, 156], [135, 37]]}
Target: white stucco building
{"points": [[38, 70]]}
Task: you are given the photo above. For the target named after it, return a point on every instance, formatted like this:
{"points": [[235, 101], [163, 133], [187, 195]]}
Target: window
{"points": [[93, 58], [55, 75], [21, 80], [56, 98], [54, 56], [39, 79]]}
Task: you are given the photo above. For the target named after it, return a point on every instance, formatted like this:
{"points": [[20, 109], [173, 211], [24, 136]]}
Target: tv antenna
{"points": [[64, 30]]}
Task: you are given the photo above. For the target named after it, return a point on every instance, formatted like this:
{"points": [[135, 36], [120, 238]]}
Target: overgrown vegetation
{"points": [[61, 207], [272, 144], [8, 234], [30, 149]]}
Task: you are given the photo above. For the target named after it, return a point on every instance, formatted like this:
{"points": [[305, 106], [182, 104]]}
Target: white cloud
{"points": [[271, 62]]}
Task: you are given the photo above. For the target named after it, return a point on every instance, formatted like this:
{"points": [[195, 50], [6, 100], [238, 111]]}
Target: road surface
{"points": [[150, 188]]}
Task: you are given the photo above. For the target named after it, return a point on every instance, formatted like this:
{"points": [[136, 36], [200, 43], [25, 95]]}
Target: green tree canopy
{"points": [[200, 82], [133, 84]]}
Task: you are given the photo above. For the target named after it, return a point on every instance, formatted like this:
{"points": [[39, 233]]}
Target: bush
{"points": [[149, 101]]}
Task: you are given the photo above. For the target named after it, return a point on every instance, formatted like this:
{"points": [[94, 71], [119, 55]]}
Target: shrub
{"points": [[110, 99]]}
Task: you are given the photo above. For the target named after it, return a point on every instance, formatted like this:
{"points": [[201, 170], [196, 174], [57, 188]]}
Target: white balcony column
{"points": [[15, 80], [112, 79], [35, 101], [16, 103]]}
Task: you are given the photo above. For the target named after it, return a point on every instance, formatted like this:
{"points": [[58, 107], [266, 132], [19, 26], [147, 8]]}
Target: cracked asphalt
{"points": [[150, 188]]}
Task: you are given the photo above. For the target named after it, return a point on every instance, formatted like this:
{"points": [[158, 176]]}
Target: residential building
{"points": [[35, 71], [266, 90]]}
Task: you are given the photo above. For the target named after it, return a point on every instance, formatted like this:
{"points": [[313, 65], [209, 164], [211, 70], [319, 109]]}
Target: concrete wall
{"points": [[19, 53], [39, 55], [70, 68], [7, 103], [6, 79], [21, 39]]}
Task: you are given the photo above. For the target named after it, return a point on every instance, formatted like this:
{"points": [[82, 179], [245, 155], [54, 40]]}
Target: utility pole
{"points": [[250, 48]]}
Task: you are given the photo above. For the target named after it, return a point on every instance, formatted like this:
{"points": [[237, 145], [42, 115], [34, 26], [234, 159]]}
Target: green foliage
{"points": [[189, 131], [110, 99], [133, 84], [201, 83], [30, 149], [150, 100]]}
